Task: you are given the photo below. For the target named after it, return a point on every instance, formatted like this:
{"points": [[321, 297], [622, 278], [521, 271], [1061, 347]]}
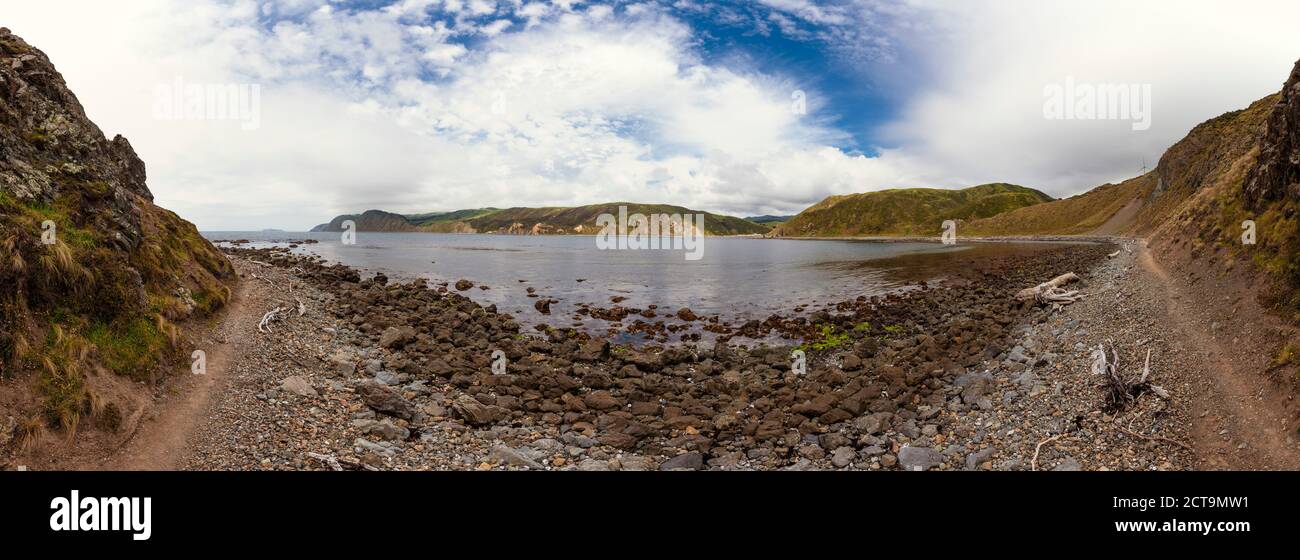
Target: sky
{"points": [[737, 107]]}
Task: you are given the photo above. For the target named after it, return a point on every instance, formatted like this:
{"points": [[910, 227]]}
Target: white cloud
{"points": [[495, 28]]}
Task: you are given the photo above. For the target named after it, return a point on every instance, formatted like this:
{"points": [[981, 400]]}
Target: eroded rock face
{"points": [[1277, 173], [49, 147], [112, 256]]}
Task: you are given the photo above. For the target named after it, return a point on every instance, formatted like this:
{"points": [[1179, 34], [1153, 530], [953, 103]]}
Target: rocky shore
{"points": [[380, 375]]}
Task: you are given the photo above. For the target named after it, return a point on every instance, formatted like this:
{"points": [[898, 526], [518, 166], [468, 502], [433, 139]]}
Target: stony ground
{"points": [[330, 390], [1044, 397]]}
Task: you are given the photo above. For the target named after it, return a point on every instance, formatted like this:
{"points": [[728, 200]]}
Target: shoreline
{"points": [[651, 321], [877, 238]]}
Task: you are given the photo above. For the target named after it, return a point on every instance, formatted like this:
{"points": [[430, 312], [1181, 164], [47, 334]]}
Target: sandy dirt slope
{"points": [[1120, 220]]}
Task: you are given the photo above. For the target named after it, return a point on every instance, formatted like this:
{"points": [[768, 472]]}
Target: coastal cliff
{"points": [[97, 277]]}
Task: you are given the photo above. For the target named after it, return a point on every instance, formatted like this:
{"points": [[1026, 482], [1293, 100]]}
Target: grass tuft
{"points": [[129, 347], [31, 431]]}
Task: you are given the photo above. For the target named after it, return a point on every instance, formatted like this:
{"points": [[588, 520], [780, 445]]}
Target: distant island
{"points": [[559, 220]]}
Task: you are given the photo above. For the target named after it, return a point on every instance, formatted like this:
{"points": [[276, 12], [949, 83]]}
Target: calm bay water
{"points": [[737, 278]]}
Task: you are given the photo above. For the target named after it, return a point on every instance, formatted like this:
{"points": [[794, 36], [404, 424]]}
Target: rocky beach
{"points": [[378, 375]]}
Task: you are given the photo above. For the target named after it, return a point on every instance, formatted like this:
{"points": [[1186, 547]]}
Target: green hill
{"points": [[1079, 214], [448, 222], [916, 211], [769, 220]]}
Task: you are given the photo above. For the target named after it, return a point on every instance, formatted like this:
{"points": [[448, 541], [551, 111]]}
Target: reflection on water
{"points": [[737, 278]]}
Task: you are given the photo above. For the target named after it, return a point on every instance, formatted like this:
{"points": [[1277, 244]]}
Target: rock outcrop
{"points": [[49, 148], [94, 273], [1277, 173]]}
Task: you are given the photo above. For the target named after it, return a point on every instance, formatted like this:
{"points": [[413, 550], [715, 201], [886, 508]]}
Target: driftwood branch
{"points": [[1033, 463], [265, 325], [1051, 292], [330, 460], [340, 463]]}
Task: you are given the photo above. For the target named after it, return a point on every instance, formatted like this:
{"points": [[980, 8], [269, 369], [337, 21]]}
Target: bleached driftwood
{"points": [[265, 325], [330, 460], [1113, 255], [1146, 372], [1033, 463], [259, 263], [1051, 293], [340, 463], [1119, 391]]}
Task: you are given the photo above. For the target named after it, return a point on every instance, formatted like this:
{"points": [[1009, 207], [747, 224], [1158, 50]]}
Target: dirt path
{"points": [[1239, 418], [160, 440]]}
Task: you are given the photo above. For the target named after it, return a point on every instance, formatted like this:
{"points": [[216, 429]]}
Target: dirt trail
{"points": [[1239, 416], [160, 441]]}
